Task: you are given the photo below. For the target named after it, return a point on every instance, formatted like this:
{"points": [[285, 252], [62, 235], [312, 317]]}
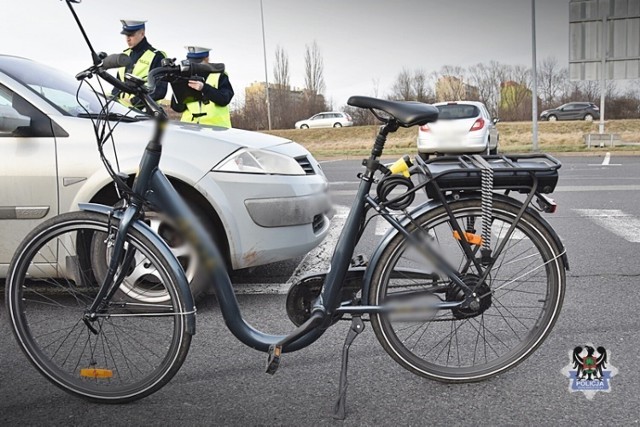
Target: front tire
{"points": [[552, 118], [128, 351], [523, 296]]}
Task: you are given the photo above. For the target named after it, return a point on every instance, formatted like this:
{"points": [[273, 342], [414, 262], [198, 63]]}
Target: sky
{"points": [[364, 44]]}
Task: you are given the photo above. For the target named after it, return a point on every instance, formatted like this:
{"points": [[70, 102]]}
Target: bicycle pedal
{"points": [[273, 358]]}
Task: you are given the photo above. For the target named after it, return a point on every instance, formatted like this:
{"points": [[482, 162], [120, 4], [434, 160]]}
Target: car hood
{"points": [[185, 146]]}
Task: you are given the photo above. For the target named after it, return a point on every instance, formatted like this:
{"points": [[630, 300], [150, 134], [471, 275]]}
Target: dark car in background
{"points": [[572, 111]]}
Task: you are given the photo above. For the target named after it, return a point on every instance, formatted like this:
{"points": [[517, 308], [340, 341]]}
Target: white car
{"points": [[263, 198], [328, 119], [462, 127]]}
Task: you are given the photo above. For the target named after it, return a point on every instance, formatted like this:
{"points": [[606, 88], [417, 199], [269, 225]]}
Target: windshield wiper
{"points": [[114, 117]]}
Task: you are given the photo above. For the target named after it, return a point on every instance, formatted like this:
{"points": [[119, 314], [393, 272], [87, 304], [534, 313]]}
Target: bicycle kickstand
{"points": [[357, 326]]}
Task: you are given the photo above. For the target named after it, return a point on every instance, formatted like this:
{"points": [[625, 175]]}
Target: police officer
{"points": [[213, 108], [144, 58]]}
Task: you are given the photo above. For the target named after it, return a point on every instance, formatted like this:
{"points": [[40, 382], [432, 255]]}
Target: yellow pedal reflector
{"points": [[474, 239], [96, 373]]}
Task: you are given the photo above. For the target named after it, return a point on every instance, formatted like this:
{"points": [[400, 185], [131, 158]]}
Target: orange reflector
{"points": [[474, 239], [96, 373]]}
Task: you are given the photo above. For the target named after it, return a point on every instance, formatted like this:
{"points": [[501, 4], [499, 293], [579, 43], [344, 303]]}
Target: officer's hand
{"points": [[195, 84]]}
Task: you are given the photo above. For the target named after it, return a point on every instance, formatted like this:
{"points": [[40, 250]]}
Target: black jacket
{"points": [[222, 95]]}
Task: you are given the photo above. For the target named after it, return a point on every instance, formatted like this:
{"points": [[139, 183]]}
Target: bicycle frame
{"points": [[152, 185]]}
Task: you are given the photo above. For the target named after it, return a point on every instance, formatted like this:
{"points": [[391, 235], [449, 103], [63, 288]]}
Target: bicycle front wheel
{"points": [[129, 350], [520, 299]]}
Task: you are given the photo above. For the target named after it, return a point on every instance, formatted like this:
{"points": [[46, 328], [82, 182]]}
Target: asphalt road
{"points": [[222, 382]]}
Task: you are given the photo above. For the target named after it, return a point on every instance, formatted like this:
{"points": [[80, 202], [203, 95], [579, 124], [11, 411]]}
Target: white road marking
{"points": [[606, 161], [622, 224]]}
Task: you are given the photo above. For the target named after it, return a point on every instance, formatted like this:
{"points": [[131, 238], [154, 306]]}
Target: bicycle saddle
{"points": [[407, 113]]}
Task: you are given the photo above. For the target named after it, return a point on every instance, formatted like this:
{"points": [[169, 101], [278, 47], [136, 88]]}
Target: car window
{"points": [[457, 111], [13, 109], [56, 87]]}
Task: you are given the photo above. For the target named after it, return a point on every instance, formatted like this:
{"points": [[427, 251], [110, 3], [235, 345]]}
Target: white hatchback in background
{"points": [[329, 119], [462, 127]]}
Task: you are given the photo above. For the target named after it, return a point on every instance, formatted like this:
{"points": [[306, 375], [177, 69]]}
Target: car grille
{"points": [[304, 162], [318, 223]]}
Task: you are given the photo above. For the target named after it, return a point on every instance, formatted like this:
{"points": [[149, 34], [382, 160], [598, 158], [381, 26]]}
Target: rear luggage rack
{"points": [[521, 172]]}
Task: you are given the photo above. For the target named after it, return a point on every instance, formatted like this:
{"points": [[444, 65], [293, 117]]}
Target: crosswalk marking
{"points": [[618, 222]]}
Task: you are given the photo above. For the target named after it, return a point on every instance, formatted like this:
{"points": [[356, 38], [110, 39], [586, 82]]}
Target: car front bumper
{"points": [[269, 218]]}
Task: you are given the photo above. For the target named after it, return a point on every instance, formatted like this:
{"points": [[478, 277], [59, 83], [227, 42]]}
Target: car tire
{"points": [[552, 118], [337, 125], [304, 126], [198, 279], [588, 117], [493, 151]]}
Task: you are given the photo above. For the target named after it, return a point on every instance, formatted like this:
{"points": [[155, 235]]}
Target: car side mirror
{"points": [[495, 120], [11, 120]]}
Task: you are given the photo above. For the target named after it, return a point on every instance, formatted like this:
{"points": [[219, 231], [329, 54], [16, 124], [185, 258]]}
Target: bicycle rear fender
{"points": [[432, 204], [144, 229]]}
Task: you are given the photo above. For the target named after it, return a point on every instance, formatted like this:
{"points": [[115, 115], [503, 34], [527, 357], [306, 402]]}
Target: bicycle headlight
{"points": [[259, 161]]}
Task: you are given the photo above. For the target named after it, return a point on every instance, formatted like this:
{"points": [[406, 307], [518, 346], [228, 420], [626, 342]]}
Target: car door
{"points": [[28, 180], [324, 120]]}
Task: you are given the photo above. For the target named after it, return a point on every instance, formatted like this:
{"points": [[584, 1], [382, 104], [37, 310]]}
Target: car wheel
{"points": [[588, 117], [337, 125], [130, 287], [493, 151], [552, 118], [304, 126]]}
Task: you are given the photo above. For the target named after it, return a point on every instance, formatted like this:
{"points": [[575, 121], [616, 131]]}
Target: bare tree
{"points": [[280, 94], [551, 78], [281, 68], [487, 78], [422, 90], [314, 79], [402, 89]]}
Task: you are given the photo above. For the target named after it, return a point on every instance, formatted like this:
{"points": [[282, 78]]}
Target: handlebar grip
{"points": [[115, 60], [203, 69]]}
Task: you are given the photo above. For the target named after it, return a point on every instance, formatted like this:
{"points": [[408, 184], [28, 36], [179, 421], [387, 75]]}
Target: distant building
{"points": [[515, 101], [256, 91], [451, 88]]}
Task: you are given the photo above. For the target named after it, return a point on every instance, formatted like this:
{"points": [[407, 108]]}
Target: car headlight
{"points": [[259, 161]]}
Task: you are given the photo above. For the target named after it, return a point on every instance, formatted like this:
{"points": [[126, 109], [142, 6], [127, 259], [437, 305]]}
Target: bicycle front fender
{"points": [[432, 204], [144, 229]]}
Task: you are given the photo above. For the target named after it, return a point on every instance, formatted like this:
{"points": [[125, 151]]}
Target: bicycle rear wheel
{"points": [[130, 350], [520, 301]]}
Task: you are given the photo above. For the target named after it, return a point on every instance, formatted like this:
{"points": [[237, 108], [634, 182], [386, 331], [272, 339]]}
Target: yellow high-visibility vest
{"points": [[140, 69], [210, 113]]}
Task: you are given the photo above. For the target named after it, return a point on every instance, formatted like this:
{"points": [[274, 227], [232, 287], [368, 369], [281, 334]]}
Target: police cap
{"points": [[130, 26], [197, 52]]}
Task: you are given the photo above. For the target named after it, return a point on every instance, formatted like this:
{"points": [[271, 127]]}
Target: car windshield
{"points": [[457, 111], [56, 87]]}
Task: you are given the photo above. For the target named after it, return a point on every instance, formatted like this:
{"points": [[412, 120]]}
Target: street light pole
{"points": [[534, 78], [266, 73]]}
